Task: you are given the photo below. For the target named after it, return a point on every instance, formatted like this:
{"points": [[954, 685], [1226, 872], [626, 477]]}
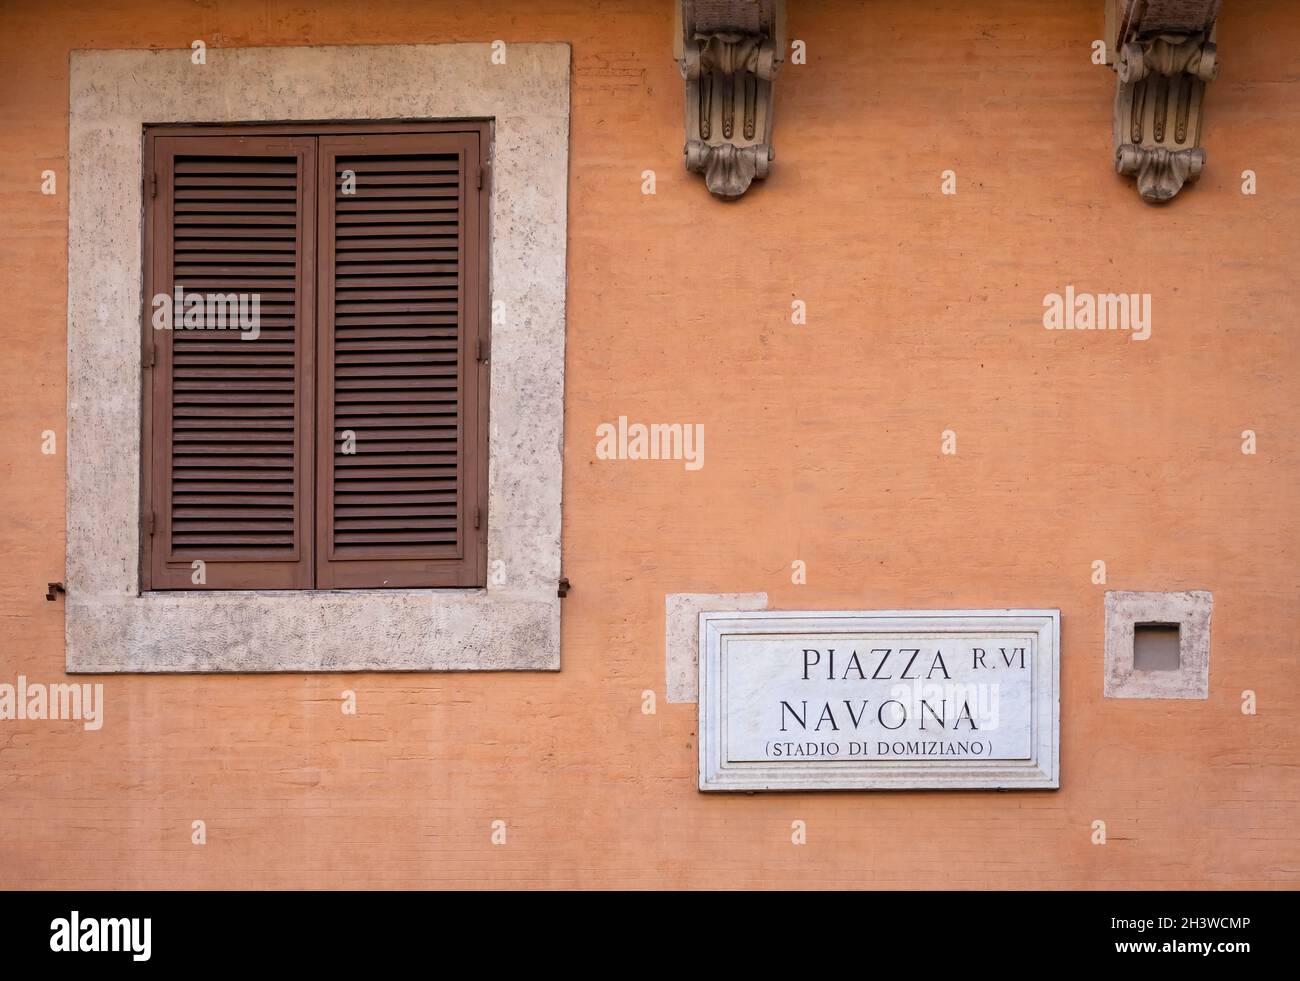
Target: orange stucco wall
{"points": [[822, 446]]}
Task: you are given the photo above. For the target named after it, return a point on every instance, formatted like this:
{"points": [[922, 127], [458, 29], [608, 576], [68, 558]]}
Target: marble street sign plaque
{"points": [[878, 700]]}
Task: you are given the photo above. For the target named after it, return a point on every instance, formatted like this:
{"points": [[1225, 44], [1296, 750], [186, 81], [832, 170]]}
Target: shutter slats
{"points": [[231, 481], [235, 165], [398, 256], [417, 236]]}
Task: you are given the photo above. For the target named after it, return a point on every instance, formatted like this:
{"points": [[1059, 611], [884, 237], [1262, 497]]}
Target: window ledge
{"points": [[315, 630]]}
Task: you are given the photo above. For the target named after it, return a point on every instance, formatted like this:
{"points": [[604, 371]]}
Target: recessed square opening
{"points": [[1155, 647]]}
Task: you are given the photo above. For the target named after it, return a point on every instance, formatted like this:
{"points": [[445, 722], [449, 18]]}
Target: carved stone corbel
{"points": [[729, 52], [1163, 52]]}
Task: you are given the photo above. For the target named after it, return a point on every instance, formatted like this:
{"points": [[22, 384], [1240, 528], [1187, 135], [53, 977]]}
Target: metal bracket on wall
{"points": [[52, 590], [1163, 52], [729, 52]]}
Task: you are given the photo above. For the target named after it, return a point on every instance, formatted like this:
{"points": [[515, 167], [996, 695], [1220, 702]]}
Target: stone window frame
{"points": [[1191, 610], [513, 623]]}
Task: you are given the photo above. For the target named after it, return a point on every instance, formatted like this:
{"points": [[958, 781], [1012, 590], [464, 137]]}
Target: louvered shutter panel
{"points": [[231, 422], [400, 466]]}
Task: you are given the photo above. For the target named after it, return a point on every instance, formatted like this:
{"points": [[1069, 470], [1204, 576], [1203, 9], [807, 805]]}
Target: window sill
{"points": [[315, 630]]}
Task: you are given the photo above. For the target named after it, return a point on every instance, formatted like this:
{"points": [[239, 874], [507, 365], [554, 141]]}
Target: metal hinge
{"points": [[148, 523], [478, 517], [480, 178], [563, 587], [147, 357], [52, 590], [153, 185], [482, 349]]}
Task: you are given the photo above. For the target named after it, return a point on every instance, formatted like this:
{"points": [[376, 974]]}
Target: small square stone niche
{"points": [[1158, 644]]}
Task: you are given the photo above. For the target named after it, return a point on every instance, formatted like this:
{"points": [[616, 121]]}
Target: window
{"points": [[315, 396], [118, 619], [1157, 645]]}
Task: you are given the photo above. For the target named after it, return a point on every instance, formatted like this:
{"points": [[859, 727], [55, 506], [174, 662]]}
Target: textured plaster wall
{"points": [[823, 446]]}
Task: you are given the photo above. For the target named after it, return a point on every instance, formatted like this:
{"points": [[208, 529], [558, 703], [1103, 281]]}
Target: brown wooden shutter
{"points": [[401, 294], [229, 420]]}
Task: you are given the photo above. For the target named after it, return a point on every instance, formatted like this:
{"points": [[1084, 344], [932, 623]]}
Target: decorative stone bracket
{"points": [[729, 52], [1164, 53]]}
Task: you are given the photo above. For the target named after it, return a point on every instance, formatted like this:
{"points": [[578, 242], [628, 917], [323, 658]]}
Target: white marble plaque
{"points": [[868, 700]]}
